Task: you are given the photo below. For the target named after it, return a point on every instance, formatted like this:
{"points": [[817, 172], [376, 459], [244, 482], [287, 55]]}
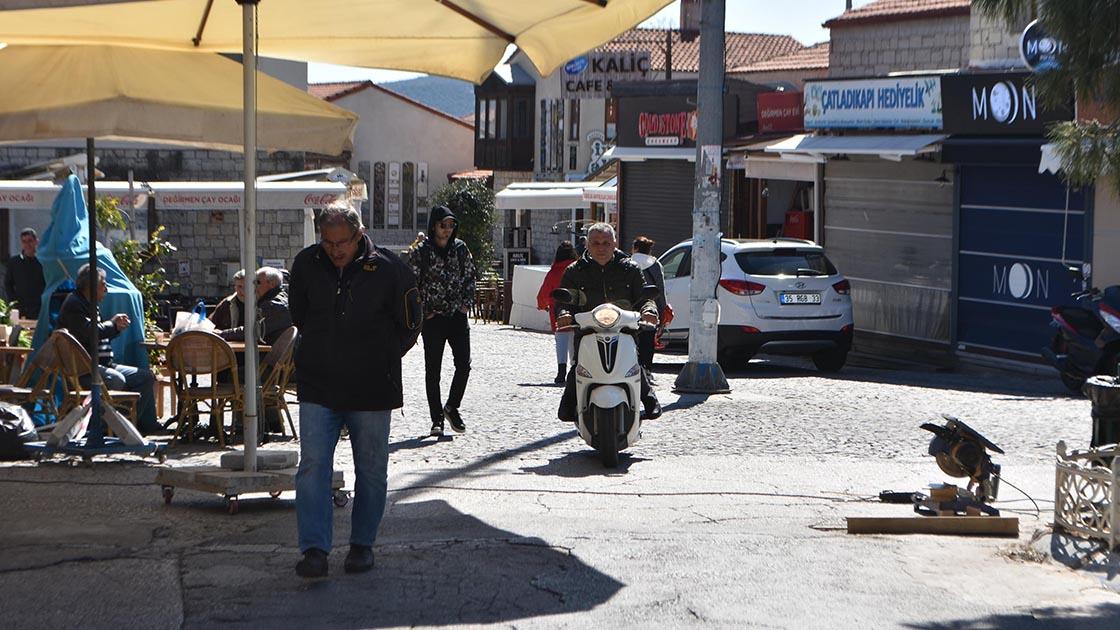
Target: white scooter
{"points": [[608, 377]]}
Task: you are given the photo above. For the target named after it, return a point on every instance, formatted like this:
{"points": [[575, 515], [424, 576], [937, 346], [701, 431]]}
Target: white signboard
{"points": [[593, 74], [393, 207], [895, 103]]}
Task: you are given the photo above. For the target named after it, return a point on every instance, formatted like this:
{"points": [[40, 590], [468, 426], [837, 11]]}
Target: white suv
{"points": [[776, 296]]}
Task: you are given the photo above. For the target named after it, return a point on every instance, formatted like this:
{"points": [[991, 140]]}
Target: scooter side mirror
{"points": [[1075, 272], [571, 297]]}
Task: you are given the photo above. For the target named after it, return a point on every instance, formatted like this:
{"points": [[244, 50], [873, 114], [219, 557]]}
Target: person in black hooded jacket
{"points": [[445, 276]]}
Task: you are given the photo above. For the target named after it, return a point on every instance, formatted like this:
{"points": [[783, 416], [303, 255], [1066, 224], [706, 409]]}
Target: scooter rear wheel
{"points": [[1073, 383]]}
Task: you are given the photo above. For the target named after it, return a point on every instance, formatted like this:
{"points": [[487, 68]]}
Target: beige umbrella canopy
{"points": [[464, 39], [119, 93]]}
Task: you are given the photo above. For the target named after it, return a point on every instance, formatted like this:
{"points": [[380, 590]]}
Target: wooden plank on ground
{"points": [[945, 525]]}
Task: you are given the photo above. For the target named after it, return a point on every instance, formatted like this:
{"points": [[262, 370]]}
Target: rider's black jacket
{"points": [[620, 281]]}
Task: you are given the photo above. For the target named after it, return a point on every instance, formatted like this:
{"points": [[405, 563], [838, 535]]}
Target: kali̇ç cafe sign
{"points": [[592, 75], [997, 104], [890, 103]]}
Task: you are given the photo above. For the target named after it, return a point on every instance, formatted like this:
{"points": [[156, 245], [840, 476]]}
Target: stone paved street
{"points": [[728, 513]]}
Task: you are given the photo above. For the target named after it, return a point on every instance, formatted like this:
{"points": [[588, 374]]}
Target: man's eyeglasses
{"points": [[337, 244]]}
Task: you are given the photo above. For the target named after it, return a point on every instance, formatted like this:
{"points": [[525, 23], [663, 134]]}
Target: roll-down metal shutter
{"points": [[889, 229], [657, 199]]}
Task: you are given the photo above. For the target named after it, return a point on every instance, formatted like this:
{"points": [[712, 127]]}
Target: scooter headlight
{"points": [[582, 371], [606, 317], [633, 371]]}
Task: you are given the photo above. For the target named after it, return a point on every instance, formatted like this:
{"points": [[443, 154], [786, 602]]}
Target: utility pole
{"points": [[702, 374]]}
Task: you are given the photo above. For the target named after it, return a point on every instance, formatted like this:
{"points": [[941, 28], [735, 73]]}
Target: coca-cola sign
{"points": [[319, 200]]}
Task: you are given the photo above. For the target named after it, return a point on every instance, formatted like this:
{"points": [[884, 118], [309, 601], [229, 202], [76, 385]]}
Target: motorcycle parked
{"points": [[608, 376], [1087, 341]]}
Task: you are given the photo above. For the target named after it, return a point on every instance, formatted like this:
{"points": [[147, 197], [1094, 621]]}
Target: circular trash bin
{"points": [[1104, 392]]}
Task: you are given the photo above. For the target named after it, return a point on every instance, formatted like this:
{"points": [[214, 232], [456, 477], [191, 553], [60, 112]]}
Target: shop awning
{"points": [[887, 147], [1050, 160], [641, 154], [605, 192], [541, 196], [31, 195]]}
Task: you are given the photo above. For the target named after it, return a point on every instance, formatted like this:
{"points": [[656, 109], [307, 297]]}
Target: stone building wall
{"points": [[867, 50], [993, 43], [204, 239]]}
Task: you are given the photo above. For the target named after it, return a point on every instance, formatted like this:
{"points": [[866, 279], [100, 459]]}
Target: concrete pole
{"points": [[249, 231], [702, 374]]}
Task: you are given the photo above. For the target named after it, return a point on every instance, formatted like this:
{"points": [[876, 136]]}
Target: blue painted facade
{"points": [[1018, 230]]}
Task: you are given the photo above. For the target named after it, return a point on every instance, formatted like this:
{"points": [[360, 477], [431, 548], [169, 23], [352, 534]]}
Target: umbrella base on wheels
{"points": [[110, 446], [231, 484]]}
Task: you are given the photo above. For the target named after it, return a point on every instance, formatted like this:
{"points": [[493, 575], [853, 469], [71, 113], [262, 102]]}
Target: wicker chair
{"points": [[73, 364], [276, 372], [37, 381], [197, 353]]}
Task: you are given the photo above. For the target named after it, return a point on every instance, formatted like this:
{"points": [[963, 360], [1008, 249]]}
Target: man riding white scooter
{"points": [[605, 274]]}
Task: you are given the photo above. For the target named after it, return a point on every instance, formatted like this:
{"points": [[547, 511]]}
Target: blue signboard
{"points": [[1016, 240]]}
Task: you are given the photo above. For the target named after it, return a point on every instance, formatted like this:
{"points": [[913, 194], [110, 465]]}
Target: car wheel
{"points": [[830, 360], [733, 361]]}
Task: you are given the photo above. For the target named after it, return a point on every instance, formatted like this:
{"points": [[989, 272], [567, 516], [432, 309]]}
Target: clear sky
{"points": [[800, 18]]}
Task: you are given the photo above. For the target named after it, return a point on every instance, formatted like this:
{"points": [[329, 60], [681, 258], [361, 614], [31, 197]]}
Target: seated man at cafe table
{"points": [[230, 312], [272, 308], [76, 316]]}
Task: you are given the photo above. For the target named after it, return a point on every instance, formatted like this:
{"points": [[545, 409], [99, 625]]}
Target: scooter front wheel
{"points": [[608, 423]]}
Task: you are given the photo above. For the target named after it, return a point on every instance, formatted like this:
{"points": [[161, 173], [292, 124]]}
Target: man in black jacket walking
{"points": [[445, 276], [358, 312], [604, 274]]}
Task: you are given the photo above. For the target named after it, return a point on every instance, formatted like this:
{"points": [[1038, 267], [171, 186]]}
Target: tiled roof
{"points": [[742, 48], [813, 57], [335, 91], [892, 10]]}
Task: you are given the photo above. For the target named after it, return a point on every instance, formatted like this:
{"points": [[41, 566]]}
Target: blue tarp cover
{"points": [[63, 249]]}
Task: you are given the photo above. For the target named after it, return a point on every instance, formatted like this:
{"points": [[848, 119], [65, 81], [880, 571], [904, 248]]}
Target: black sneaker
{"points": [[313, 565], [454, 419], [652, 412], [437, 428], [359, 560]]}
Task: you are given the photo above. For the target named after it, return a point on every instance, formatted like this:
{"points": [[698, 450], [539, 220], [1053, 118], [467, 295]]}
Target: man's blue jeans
{"points": [[133, 379], [319, 429]]}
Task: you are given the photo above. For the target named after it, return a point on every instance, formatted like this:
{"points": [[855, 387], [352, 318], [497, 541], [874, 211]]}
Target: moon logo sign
{"points": [[1020, 281]]}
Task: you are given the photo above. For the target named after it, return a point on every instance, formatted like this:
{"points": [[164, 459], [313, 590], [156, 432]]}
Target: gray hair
{"points": [[239, 275], [338, 213], [272, 274], [605, 228], [83, 277]]}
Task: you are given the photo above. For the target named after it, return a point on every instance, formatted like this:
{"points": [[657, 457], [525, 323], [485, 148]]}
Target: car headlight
{"points": [[582, 371], [633, 371], [606, 317]]}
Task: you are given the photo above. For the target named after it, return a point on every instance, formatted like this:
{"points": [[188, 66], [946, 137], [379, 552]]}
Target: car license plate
{"points": [[789, 297]]}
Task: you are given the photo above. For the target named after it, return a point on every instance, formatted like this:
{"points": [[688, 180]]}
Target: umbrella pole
{"points": [[249, 232], [97, 437]]}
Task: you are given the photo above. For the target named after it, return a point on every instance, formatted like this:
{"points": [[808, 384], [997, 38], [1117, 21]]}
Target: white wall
{"points": [[393, 130], [1106, 234]]}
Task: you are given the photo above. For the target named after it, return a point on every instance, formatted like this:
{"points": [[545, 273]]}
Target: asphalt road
{"points": [[730, 512]]}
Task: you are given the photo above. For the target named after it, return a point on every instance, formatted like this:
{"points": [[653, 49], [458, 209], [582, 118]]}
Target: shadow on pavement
{"points": [[434, 566], [1084, 555], [1102, 616], [583, 463], [422, 441], [685, 401]]}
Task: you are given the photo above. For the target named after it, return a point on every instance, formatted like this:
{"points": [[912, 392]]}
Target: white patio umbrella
{"points": [[457, 38]]}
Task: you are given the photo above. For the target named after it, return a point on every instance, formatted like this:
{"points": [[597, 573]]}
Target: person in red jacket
{"points": [[565, 255]]}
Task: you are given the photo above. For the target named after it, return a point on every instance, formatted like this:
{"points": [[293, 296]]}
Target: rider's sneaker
{"points": [[437, 428], [454, 419], [652, 412]]}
